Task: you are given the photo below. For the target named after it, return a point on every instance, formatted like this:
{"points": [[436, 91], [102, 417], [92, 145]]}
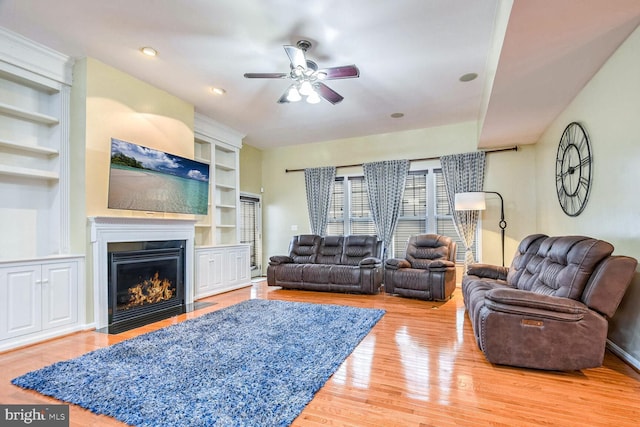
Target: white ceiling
{"points": [[532, 57]]}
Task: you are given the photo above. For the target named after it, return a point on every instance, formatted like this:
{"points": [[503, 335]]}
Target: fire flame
{"points": [[149, 291]]}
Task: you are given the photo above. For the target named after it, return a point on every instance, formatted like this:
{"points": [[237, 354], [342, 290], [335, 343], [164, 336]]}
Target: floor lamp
{"points": [[475, 201]]}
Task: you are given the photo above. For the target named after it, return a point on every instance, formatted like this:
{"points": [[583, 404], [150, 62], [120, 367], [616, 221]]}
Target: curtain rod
{"points": [[498, 150]]}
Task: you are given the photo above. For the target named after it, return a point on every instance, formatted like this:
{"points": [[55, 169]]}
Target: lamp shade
{"points": [[472, 201]]}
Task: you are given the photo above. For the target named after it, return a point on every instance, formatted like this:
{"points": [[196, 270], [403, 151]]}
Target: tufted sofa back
{"points": [[303, 249], [561, 267], [357, 248], [423, 249], [330, 251], [525, 261], [344, 250]]}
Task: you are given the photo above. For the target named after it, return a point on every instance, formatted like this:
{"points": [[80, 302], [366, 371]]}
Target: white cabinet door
{"points": [[209, 271], [221, 269], [59, 294], [238, 262], [21, 298]]}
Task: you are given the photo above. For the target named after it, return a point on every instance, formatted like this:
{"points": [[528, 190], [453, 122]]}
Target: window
{"points": [[424, 209]]}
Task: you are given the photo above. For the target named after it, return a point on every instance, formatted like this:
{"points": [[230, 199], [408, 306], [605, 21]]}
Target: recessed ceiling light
{"points": [[468, 77], [149, 51], [218, 90], [397, 115]]}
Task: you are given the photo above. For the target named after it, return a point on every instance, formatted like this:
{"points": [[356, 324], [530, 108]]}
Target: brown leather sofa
{"points": [[428, 271], [550, 308], [330, 263]]}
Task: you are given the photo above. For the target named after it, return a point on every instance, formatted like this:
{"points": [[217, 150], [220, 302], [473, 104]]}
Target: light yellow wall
{"points": [[609, 108], [77, 137], [250, 169], [123, 107], [108, 103], [284, 198]]}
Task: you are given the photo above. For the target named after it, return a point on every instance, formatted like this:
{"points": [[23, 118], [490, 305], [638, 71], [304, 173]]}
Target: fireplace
{"points": [[122, 235], [146, 283]]}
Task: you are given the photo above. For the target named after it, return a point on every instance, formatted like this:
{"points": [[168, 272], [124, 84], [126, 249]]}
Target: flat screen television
{"points": [[144, 179]]}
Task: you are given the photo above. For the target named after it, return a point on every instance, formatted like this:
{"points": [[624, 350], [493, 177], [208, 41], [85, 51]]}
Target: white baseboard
{"points": [[635, 363]]}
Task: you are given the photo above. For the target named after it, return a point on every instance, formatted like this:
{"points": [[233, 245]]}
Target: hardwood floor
{"points": [[419, 366]]}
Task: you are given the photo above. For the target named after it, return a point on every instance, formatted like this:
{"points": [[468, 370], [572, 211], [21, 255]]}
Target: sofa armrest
{"points": [[441, 265], [488, 271], [396, 263], [517, 301], [280, 259], [370, 262]]}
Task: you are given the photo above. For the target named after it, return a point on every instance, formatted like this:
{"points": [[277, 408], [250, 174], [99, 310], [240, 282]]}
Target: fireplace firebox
{"points": [[146, 283]]}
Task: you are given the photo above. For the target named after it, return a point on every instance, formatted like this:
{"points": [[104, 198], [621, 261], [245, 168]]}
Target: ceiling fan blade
{"points": [[329, 94], [266, 75], [296, 56], [344, 72]]}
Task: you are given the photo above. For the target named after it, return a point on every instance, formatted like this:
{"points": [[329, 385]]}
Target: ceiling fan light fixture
{"points": [[305, 88], [293, 95], [313, 98]]}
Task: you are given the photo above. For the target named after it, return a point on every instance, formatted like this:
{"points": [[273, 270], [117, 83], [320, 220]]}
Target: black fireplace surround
{"points": [[146, 283]]}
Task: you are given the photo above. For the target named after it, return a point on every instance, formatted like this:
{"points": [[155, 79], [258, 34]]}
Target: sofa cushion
{"points": [[566, 265], [304, 248], [344, 275], [525, 261], [289, 272], [425, 248], [330, 251], [357, 247]]}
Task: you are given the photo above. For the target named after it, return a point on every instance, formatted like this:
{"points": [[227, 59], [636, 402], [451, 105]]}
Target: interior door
{"points": [[251, 230]]}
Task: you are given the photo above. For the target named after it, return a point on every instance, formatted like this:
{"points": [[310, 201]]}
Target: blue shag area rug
{"points": [[257, 363]]}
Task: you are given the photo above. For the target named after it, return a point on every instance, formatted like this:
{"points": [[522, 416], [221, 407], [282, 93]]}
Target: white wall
{"points": [[609, 108]]}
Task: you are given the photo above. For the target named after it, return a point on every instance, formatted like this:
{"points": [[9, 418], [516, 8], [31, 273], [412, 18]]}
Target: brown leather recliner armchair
{"points": [[427, 273]]}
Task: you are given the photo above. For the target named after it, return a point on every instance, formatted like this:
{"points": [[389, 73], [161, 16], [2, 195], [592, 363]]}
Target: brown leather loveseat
{"points": [[330, 263], [550, 309]]}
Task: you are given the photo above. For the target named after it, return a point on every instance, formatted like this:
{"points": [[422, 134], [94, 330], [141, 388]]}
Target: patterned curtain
{"points": [[385, 187], [463, 173], [319, 185]]}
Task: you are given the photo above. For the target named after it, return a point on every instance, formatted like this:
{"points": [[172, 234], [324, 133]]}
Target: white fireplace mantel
{"points": [[105, 230]]}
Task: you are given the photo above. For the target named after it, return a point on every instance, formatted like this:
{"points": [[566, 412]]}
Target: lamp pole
{"points": [[502, 224]]}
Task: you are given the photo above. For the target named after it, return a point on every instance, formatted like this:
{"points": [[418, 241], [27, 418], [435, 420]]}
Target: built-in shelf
{"points": [[45, 151], [222, 166], [219, 146], [28, 173], [202, 160], [228, 187], [11, 110]]}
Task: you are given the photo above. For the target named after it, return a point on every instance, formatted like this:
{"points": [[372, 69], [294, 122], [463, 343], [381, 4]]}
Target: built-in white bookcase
{"points": [[42, 286], [219, 146], [221, 261], [35, 87]]}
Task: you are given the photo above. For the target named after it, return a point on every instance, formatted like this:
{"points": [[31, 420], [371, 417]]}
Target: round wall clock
{"points": [[573, 169]]}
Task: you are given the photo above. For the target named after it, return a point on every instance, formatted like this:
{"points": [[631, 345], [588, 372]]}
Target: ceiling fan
{"points": [[307, 78]]}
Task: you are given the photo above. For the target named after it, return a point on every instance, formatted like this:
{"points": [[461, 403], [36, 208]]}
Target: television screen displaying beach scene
{"points": [[144, 179]]}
